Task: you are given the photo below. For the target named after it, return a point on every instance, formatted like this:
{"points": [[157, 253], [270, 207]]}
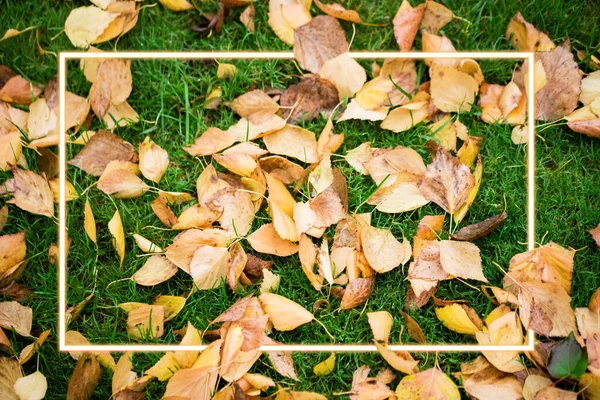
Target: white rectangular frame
{"points": [[62, 303]]}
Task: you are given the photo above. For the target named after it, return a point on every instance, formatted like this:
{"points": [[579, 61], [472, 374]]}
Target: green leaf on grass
{"points": [[568, 359]]}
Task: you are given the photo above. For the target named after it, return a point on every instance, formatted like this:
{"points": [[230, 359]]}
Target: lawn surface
{"points": [[567, 188]]}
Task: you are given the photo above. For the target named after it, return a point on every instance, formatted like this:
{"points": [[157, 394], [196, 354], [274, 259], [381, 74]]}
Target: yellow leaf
{"points": [[381, 323], [115, 226], [29, 350], [345, 73], [266, 240], [452, 90], [382, 250], [89, 222], [285, 19], [191, 338], [146, 245], [431, 384], [164, 368], [285, 314], [85, 24], [14, 32], [325, 367], [226, 71], [455, 318], [293, 141], [400, 361], [177, 5], [172, 305]]}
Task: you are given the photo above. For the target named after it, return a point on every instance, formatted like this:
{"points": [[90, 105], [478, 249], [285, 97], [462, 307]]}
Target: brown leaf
{"points": [[563, 84], [357, 292], [281, 168], [406, 24], [318, 41], [447, 182], [100, 150], [490, 383], [146, 321], [307, 99], [413, 328], [338, 11], [587, 127], [15, 89], [15, 316], [84, 379], [255, 266], [480, 229], [436, 17], [31, 193], [414, 302], [163, 212], [283, 364]]}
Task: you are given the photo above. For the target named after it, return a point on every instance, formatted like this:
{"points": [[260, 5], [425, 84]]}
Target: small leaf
{"points": [[568, 359], [325, 367]]}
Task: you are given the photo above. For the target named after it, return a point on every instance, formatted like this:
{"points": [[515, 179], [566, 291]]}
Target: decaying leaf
{"points": [[100, 150], [309, 98], [480, 229]]}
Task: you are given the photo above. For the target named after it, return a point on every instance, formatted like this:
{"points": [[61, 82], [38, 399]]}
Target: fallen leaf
{"points": [[209, 266], [15, 316], [145, 322], [156, 269], [568, 359], [490, 384], [29, 350], [31, 387], [413, 328], [255, 105], [318, 41], [266, 240], [153, 160], [401, 361], [430, 384], [293, 141], [525, 37], [436, 16], [456, 318], [226, 71], [31, 192], [326, 367], [452, 90], [381, 323], [10, 372], [84, 379], [338, 11], [309, 98], [13, 250], [447, 182], [590, 88], [100, 150], [461, 259], [345, 73], [177, 5], [382, 250], [559, 97], [247, 18], [285, 314], [115, 226], [357, 292], [85, 24], [286, 19], [406, 24], [546, 309], [595, 234]]}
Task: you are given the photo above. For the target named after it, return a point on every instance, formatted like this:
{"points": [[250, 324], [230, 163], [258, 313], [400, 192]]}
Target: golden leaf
{"points": [[115, 227], [285, 314]]}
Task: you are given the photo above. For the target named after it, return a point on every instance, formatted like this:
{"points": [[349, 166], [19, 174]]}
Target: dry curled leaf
{"points": [[31, 192], [480, 229], [84, 379], [357, 292]]}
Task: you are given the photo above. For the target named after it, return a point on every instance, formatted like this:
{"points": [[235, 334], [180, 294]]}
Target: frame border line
{"points": [[287, 55]]}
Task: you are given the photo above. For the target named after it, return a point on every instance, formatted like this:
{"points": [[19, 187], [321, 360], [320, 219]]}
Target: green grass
{"points": [[567, 190]]}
